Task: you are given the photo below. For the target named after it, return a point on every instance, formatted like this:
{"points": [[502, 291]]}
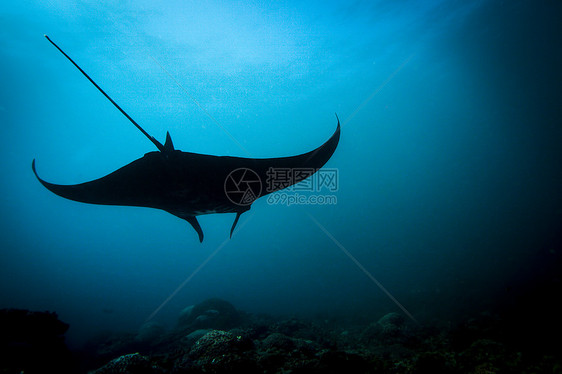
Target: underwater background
{"points": [[449, 180]]}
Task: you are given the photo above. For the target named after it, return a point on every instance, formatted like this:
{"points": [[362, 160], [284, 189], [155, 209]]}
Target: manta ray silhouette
{"points": [[190, 184]]}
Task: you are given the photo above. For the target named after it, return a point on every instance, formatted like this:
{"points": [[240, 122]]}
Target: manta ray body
{"points": [[189, 184]]}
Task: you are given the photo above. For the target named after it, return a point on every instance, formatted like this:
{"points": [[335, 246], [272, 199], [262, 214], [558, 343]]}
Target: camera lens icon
{"points": [[242, 186]]}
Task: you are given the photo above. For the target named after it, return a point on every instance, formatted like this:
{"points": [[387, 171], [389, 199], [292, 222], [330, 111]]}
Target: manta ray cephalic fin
{"points": [[168, 145], [192, 221]]}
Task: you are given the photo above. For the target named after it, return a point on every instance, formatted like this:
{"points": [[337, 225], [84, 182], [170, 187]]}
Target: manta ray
{"points": [[189, 184]]}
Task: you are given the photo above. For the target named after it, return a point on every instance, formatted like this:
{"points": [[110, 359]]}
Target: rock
{"points": [[33, 342], [389, 329], [210, 314], [292, 327], [184, 314], [278, 342], [279, 353], [391, 324], [132, 363], [150, 333], [216, 343], [489, 354], [32, 326], [342, 362], [304, 330], [107, 346], [434, 362], [191, 338]]}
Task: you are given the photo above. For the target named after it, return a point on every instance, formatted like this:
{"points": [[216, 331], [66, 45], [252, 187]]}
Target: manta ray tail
{"points": [[161, 148]]}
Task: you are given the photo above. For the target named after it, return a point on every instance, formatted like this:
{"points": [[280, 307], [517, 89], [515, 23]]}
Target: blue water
{"points": [[449, 165]]}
